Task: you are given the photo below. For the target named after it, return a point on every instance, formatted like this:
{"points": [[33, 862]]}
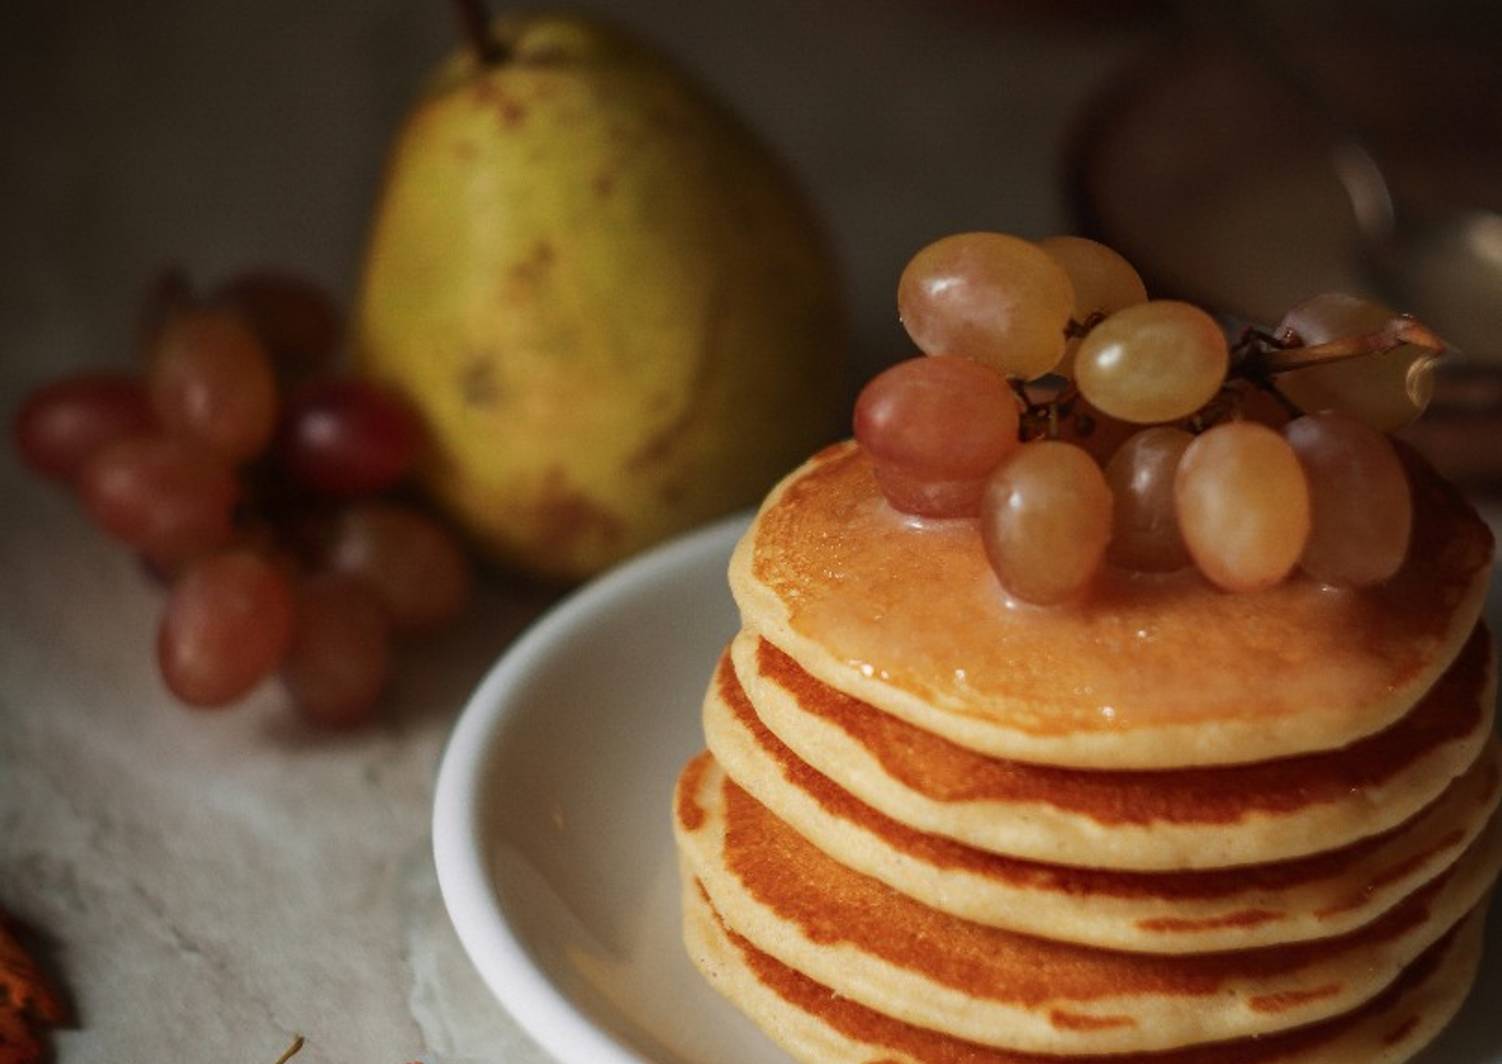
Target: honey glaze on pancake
{"points": [[947, 772], [867, 1026], [1208, 884], [831, 904], [916, 606]]}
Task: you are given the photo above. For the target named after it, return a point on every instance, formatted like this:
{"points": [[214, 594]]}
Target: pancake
{"points": [[879, 948], [1166, 912], [1138, 820], [816, 1025], [1151, 671]]}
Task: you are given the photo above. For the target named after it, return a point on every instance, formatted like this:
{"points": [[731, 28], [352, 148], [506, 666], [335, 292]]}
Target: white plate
{"points": [[552, 830]]}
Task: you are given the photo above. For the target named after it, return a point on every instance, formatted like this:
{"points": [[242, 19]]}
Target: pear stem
{"points": [[474, 19]]}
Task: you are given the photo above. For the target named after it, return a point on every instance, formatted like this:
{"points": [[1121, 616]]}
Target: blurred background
{"points": [[220, 135]]}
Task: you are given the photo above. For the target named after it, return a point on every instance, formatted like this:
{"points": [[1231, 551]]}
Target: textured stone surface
{"points": [[210, 883]]}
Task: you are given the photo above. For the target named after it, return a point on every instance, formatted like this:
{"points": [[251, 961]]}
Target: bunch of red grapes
{"points": [[252, 480], [1158, 446]]}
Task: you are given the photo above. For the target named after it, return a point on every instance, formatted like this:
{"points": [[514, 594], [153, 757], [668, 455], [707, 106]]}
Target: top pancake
{"points": [[1149, 671]]}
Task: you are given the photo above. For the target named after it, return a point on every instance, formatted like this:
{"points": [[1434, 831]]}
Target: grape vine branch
{"points": [[1257, 358]]}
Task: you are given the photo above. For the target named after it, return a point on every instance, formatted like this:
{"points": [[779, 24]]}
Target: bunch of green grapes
{"points": [[1148, 458]]}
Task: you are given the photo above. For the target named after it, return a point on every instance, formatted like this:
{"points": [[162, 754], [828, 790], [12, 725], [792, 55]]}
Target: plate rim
{"points": [[473, 905]]}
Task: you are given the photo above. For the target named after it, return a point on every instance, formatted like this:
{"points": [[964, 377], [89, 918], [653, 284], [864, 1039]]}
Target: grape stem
{"points": [[1264, 359], [1045, 417], [1074, 329], [1258, 356], [474, 20], [291, 1051]]}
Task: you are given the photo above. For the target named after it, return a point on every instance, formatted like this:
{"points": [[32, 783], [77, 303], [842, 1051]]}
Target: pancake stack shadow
{"points": [[901, 846]]}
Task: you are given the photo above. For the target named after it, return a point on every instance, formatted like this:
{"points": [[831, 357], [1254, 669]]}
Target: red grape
{"points": [[1243, 505], [161, 495], [211, 381], [341, 650], [1145, 530], [349, 438], [1362, 508], [1260, 405], [64, 424], [416, 565], [1045, 521], [915, 494], [296, 319], [944, 418], [227, 626]]}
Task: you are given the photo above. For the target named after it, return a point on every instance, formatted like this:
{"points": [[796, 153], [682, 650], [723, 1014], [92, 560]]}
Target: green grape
{"points": [[996, 299], [1242, 501], [1385, 391], [1045, 520], [1103, 283], [1153, 362]]}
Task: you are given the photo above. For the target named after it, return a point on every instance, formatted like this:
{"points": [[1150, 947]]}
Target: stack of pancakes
{"points": [[934, 825]]}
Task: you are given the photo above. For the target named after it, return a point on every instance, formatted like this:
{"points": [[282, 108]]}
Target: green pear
{"points": [[606, 297]]}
